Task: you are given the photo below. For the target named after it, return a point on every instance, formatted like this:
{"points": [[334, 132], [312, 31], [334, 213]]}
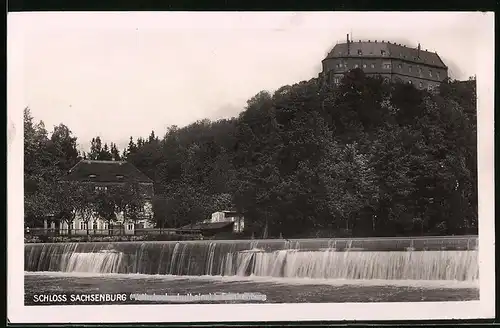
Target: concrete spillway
{"points": [[433, 258]]}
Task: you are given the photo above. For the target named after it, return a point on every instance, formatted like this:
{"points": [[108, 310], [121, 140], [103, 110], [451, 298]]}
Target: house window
{"points": [[387, 66], [420, 84], [130, 226], [83, 225], [373, 66], [382, 52], [409, 69], [360, 52], [409, 82], [438, 75], [106, 226], [339, 65], [400, 66], [419, 70], [430, 73], [94, 226], [364, 65], [356, 66]]}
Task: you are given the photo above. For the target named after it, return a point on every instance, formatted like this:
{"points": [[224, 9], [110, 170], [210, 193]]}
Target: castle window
{"points": [[438, 75], [339, 65], [360, 52], [430, 73], [382, 52], [373, 66], [387, 66], [400, 66], [419, 70], [409, 69], [409, 82], [420, 84], [356, 66], [364, 65]]}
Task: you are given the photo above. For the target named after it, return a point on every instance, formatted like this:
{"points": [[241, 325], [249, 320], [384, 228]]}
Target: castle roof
{"points": [[106, 171], [393, 50]]}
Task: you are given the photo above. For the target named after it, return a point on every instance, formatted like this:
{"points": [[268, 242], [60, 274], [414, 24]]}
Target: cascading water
{"points": [[444, 258]]}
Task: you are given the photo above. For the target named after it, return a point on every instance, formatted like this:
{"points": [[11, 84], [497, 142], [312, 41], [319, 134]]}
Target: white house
{"points": [[229, 216], [102, 175]]}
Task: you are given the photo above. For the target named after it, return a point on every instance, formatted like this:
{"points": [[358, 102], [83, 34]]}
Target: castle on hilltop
{"points": [[394, 62]]}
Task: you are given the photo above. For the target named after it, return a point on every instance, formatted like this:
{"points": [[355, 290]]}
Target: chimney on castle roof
{"points": [[348, 45], [418, 52]]}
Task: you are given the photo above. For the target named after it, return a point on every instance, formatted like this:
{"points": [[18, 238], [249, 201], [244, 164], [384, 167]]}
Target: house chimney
{"points": [[418, 52]]}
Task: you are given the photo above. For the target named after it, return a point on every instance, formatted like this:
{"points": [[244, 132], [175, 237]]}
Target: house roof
{"points": [[207, 226], [106, 171], [393, 51]]}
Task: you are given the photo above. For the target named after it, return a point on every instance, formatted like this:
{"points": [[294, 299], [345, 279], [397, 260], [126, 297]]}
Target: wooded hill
{"points": [[365, 158]]}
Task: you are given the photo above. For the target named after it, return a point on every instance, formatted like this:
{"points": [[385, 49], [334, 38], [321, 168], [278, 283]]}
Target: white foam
{"points": [[428, 284]]}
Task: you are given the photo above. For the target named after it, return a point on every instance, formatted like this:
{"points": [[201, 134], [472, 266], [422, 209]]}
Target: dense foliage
{"points": [[366, 158]]}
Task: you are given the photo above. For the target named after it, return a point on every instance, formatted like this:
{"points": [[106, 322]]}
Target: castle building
{"points": [[394, 62]]}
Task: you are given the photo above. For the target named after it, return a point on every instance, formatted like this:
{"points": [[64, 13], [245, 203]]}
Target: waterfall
{"points": [[102, 262], [446, 258]]}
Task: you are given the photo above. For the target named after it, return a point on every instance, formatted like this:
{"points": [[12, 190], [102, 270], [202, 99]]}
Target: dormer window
{"points": [[382, 52], [360, 52], [92, 176]]}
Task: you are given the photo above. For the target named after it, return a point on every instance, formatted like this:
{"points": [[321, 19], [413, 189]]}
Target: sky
{"points": [[117, 75]]}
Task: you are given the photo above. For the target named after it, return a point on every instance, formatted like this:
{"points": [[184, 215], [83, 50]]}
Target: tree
{"points": [[129, 200], [64, 147], [106, 206], [115, 153], [66, 201], [95, 148], [85, 203]]}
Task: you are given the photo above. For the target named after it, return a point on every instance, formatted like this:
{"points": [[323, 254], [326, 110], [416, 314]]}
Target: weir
{"points": [[431, 258]]}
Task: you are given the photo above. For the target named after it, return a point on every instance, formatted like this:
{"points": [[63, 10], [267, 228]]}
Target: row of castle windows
{"points": [[388, 66], [383, 53]]}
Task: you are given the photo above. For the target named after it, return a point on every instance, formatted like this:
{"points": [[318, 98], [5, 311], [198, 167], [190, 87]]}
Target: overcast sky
{"points": [[118, 75]]}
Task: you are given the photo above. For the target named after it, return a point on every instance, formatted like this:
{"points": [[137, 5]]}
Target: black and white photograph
{"points": [[250, 166]]}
